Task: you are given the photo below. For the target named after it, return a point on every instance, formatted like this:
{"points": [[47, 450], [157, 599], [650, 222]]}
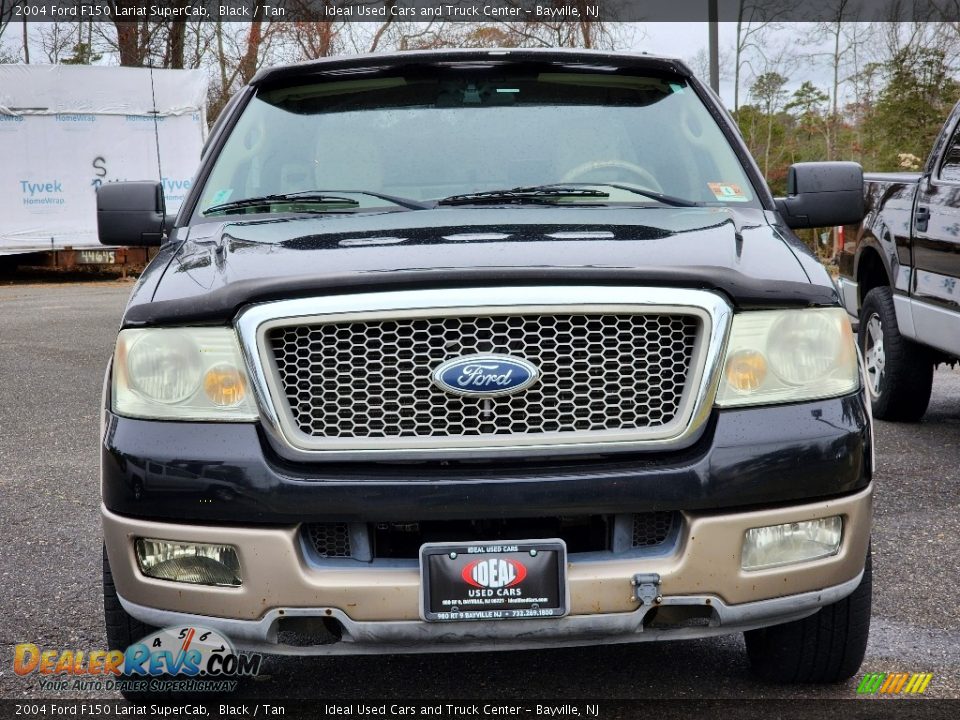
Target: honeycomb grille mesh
{"points": [[652, 528], [329, 539], [373, 378]]}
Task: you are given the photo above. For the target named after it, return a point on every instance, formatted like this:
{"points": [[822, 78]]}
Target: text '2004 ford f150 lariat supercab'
{"points": [[472, 350]]}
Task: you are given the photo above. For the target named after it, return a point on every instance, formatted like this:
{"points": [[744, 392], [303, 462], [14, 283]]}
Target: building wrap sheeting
{"points": [[67, 129]]}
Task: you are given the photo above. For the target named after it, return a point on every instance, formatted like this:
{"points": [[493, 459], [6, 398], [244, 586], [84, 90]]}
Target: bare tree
{"points": [[412, 36], [133, 40], [57, 39], [700, 64], [236, 51], [197, 44], [6, 14], [176, 34], [313, 35], [844, 43], [537, 33], [249, 61], [835, 30], [754, 19]]}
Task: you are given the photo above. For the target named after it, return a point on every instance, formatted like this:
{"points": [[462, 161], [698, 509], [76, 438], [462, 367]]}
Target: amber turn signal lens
{"points": [[746, 370], [224, 385]]}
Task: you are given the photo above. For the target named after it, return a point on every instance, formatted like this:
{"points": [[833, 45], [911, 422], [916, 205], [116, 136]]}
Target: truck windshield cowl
{"points": [[411, 141]]}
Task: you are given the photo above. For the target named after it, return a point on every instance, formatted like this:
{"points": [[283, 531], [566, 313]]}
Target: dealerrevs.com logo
{"points": [[179, 659], [898, 683]]}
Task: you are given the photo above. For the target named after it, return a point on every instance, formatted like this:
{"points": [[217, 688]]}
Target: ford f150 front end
{"points": [[466, 351]]}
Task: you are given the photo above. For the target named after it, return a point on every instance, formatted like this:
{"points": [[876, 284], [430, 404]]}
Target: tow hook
{"points": [[646, 588]]}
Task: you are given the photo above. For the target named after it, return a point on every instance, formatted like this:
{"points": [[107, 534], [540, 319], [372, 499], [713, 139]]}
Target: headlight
{"points": [[181, 374], [788, 356]]}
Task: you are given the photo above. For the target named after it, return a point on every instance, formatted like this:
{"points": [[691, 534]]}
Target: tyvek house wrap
{"points": [[66, 129]]}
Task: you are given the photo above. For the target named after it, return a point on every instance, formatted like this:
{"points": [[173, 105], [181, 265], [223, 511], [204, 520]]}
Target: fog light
{"points": [[795, 542], [188, 562]]}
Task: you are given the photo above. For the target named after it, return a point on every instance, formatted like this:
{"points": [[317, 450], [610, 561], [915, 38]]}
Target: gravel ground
{"points": [[54, 345]]}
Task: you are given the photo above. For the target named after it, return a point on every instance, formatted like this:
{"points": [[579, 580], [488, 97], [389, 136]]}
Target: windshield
{"points": [[427, 138]]}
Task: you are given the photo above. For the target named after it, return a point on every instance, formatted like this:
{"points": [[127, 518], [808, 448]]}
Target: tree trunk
{"points": [[834, 92], [175, 41], [248, 65], [766, 151], [736, 66], [378, 36], [128, 44], [585, 26], [221, 58]]}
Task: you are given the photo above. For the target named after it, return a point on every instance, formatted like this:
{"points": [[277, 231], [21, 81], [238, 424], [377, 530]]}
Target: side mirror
{"points": [[131, 213], [823, 194]]}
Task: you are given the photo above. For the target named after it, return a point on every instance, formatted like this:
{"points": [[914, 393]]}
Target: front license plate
{"points": [[500, 580]]}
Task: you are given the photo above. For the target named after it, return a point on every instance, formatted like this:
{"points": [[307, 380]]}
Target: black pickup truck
{"points": [[900, 276], [478, 350]]}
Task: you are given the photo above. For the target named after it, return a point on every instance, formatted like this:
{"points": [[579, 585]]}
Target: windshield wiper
{"points": [[284, 198], [537, 194], [317, 197], [653, 195], [401, 201]]}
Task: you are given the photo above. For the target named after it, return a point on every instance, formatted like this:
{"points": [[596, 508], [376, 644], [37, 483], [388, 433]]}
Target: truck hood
{"points": [[220, 267]]}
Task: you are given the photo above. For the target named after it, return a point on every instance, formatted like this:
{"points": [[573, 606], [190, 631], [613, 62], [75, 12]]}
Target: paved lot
{"points": [[54, 344]]}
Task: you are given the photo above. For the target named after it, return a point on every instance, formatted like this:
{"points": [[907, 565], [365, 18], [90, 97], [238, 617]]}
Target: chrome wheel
{"points": [[873, 354], [898, 373]]}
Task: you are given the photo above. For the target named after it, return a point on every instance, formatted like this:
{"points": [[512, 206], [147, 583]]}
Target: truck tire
{"points": [[827, 647], [899, 372], [123, 630]]}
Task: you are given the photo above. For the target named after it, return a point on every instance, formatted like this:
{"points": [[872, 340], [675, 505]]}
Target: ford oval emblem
{"points": [[485, 375]]}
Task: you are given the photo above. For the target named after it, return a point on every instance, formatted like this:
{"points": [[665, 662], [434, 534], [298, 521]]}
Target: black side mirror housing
{"points": [[131, 213], [823, 194]]}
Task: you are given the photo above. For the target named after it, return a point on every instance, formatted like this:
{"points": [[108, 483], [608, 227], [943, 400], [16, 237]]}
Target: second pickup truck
{"points": [[900, 276]]}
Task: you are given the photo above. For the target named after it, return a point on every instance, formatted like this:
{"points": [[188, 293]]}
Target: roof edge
{"points": [[492, 56]]}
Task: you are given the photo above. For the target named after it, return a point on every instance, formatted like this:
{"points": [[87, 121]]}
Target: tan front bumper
{"points": [[275, 574]]}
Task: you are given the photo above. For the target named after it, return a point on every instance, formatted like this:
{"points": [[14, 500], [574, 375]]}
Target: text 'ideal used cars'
{"points": [[477, 350]]}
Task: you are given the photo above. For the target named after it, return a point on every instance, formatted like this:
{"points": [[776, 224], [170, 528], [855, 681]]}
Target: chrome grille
{"points": [[371, 378]]}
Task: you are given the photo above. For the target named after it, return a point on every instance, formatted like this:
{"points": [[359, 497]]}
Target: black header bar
{"points": [[478, 10]]}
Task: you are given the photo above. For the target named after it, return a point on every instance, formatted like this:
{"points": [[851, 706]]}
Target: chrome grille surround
{"points": [[503, 310]]}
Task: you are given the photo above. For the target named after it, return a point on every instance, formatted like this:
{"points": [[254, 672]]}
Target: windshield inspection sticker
{"points": [[728, 192], [221, 196]]}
